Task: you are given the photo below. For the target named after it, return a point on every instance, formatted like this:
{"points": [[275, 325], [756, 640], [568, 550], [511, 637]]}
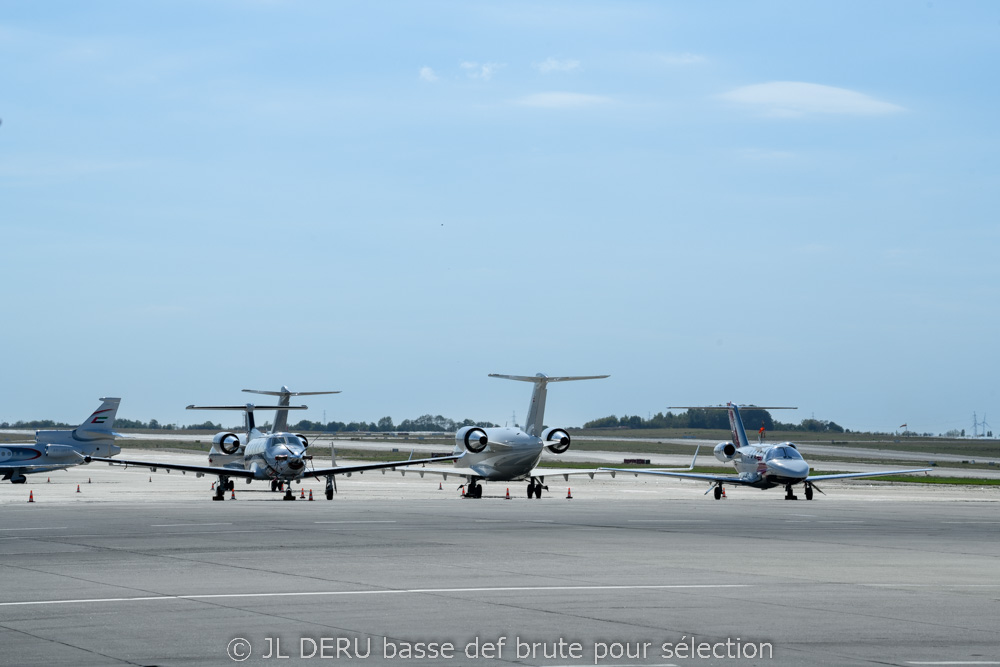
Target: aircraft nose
{"points": [[790, 468]]}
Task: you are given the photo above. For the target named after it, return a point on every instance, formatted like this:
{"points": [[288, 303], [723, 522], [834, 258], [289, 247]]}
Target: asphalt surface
{"points": [[143, 569]]}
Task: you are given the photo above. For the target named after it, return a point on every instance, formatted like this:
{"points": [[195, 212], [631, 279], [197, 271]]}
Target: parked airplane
{"points": [[511, 454], [278, 457], [55, 450], [762, 466]]}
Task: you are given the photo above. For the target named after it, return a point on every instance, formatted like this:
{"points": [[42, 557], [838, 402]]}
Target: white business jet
{"points": [[761, 466], [511, 454], [55, 450], [278, 457]]}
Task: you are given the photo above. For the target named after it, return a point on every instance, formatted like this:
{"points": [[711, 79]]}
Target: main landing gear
{"points": [[277, 486], [718, 491], [809, 491], [225, 484], [535, 488], [329, 487], [474, 490]]}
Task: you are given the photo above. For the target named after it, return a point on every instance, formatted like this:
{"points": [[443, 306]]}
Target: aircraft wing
{"points": [[343, 470], [849, 475], [207, 470], [726, 479]]}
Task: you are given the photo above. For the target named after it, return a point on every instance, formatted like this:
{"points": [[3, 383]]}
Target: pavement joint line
{"points": [[362, 521], [497, 589], [39, 528], [185, 525]]}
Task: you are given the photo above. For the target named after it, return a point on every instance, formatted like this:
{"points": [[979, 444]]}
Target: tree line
{"points": [[699, 418]]}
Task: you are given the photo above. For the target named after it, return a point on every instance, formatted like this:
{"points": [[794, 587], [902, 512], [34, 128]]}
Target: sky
{"points": [[773, 203]]}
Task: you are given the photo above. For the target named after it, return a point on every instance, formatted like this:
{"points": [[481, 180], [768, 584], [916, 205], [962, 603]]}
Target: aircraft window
{"points": [[782, 453]]}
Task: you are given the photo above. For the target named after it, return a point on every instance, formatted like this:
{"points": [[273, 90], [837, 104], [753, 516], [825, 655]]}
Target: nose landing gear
{"points": [[791, 496]]}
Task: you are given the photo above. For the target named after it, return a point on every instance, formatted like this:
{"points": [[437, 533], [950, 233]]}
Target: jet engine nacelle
{"points": [[473, 438], [304, 439], [725, 451], [229, 443], [557, 438]]}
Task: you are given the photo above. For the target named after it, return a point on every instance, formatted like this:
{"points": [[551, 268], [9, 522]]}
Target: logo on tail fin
{"points": [[98, 417]]}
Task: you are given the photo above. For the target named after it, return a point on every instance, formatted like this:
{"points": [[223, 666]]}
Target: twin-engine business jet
{"points": [[510, 454], [762, 466], [55, 450], [278, 457]]}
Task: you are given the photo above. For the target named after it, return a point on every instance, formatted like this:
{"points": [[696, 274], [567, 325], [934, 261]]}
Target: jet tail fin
{"points": [[101, 422], [735, 421], [93, 436], [284, 394], [535, 421]]}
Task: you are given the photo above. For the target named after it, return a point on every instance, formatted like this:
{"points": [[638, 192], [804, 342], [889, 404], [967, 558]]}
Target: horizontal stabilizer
{"points": [[726, 407], [289, 393], [543, 378], [248, 407]]}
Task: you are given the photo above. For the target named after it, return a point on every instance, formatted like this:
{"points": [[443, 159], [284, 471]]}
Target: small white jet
{"points": [[761, 466], [55, 450], [275, 456], [510, 454]]}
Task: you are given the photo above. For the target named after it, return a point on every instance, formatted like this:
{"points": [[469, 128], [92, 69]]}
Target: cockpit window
{"points": [[782, 453]]}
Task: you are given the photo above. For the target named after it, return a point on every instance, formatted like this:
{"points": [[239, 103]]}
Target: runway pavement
{"points": [[137, 572]]}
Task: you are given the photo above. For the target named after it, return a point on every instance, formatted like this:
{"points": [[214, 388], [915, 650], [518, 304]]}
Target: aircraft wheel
{"points": [[218, 497], [531, 489], [479, 491], [718, 492], [809, 492], [329, 494], [538, 490], [274, 485]]}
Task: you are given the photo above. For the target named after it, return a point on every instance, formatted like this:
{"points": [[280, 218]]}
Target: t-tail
{"points": [[736, 426], [248, 409], [535, 421], [98, 426], [284, 394]]}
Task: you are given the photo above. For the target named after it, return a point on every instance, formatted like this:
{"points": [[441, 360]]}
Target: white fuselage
{"points": [[509, 456], [771, 465], [274, 456]]}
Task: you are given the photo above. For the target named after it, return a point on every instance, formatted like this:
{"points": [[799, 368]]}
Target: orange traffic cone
{"points": [[463, 490], [150, 479], [569, 494], [78, 488], [31, 496], [48, 481], [233, 497], [213, 483], [508, 493], [440, 487], [310, 494], [302, 496]]}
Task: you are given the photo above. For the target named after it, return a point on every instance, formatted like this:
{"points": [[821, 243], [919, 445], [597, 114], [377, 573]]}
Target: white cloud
{"points": [[556, 100], [484, 71], [788, 99], [428, 75], [550, 65]]}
